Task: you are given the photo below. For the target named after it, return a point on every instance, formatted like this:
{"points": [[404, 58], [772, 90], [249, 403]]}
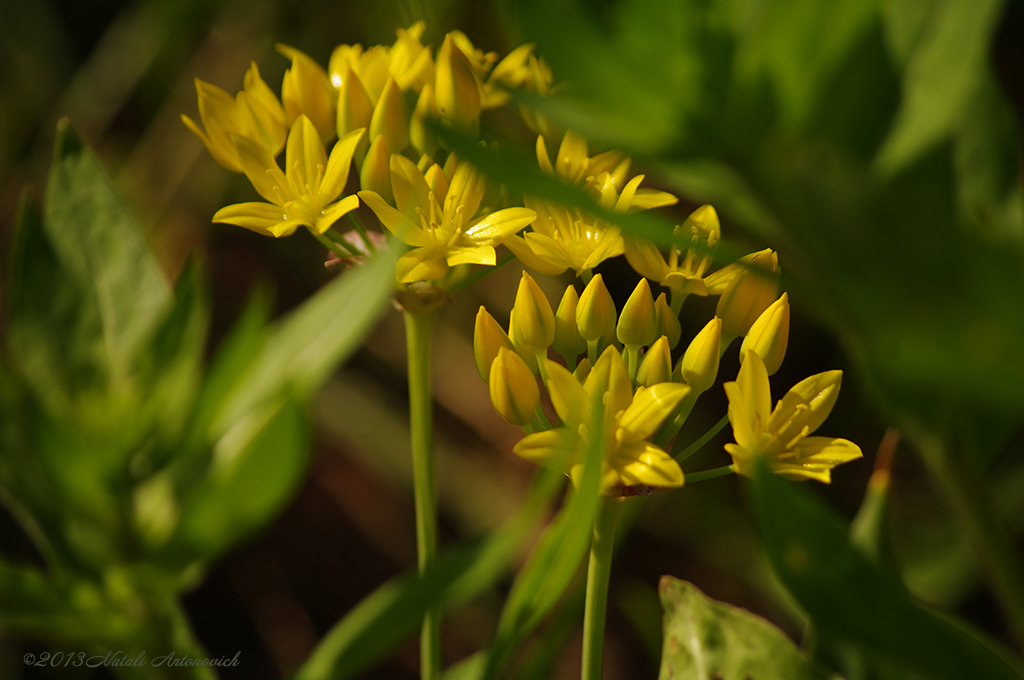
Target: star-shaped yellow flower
{"points": [[567, 238], [630, 463], [683, 272], [781, 435], [302, 195], [439, 221]]}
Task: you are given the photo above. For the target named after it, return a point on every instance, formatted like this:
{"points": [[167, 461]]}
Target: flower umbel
{"points": [[782, 434], [439, 221], [631, 465], [302, 195]]}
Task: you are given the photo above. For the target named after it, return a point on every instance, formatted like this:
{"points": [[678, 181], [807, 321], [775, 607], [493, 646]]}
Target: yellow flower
{"points": [[513, 388], [302, 195], [567, 238], [442, 226], [630, 464], [408, 61], [683, 272], [782, 434], [769, 336], [255, 113], [747, 288], [456, 89], [307, 91]]}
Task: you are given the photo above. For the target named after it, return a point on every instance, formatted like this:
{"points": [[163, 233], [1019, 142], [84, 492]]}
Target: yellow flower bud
{"points": [[638, 323], [533, 318], [582, 370], [488, 338], [420, 136], [527, 353], [656, 366], [354, 110], [700, 361], [668, 322], [456, 90], [769, 336], [391, 118], [375, 175], [514, 391], [568, 341], [753, 288], [307, 90], [595, 313]]}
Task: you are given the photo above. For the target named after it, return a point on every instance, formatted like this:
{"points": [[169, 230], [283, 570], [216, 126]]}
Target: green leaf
{"points": [[709, 639], [848, 597], [944, 72], [306, 346], [255, 468], [99, 244]]}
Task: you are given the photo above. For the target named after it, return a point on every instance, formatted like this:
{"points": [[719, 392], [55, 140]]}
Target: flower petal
{"points": [[829, 451], [500, 224], [258, 165], [571, 402], [333, 213], [420, 265], [551, 448], [806, 406], [471, 255], [258, 217], [650, 407], [397, 223], [524, 253], [643, 463], [304, 153], [338, 166]]}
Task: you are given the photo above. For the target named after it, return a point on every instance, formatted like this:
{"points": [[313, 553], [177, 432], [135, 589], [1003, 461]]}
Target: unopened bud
{"points": [[668, 322], [391, 118], [488, 338], [514, 391], [568, 341], [769, 336], [754, 287], [638, 323], [532, 315], [456, 91], [375, 175], [656, 366], [700, 361], [595, 312]]}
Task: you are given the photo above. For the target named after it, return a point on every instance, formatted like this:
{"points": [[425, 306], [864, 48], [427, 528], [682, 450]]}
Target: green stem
{"points": [[360, 228], [632, 353], [418, 326], [479, 273], [598, 575], [991, 538], [682, 412], [699, 444], [335, 248], [694, 477]]}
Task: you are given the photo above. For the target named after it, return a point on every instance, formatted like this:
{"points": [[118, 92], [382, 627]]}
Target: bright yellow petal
{"points": [[412, 194], [258, 165], [500, 224], [338, 166], [753, 383], [471, 255], [304, 155], [571, 161], [645, 199], [550, 250], [571, 401], [643, 463], [524, 253], [806, 406], [259, 217], [609, 245], [420, 265], [829, 451], [552, 448], [645, 258], [228, 160], [286, 228], [334, 212], [397, 223], [650, 407], [466, 190]]}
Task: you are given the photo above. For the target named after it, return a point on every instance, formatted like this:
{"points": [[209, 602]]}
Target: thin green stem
{"points": [[418, 326], [598, 575], [481, 272], [335, 248], [632, 353], [360, 228], [694, 477], [542, 419], [676, 420], [699, 444]]}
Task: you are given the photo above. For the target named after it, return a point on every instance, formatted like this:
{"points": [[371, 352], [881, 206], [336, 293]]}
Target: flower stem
{"points": [[695, 477], [699, 444], [335, 248], [598, 574], [418, 326]]}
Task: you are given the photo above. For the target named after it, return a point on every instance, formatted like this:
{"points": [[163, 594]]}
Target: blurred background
{"points": [[124, 72]]}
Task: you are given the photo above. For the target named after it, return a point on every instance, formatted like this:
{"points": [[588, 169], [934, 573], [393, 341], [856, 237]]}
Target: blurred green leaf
{"points": [[943, 74], [99, 244], [709, 639], [848, 597], [302, 350]]}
